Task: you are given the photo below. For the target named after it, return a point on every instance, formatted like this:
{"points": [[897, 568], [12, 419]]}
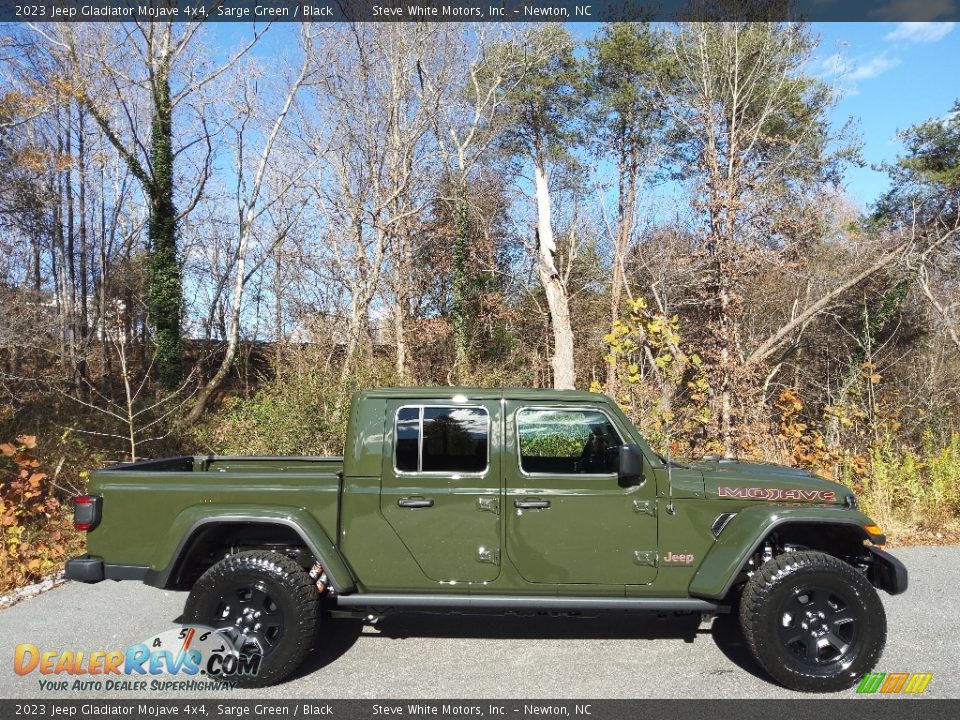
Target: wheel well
{"points": [[841, 540], [212, 542]]}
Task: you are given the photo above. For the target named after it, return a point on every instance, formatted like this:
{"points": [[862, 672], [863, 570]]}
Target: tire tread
{"points": [[281, 569], [754, 603]]}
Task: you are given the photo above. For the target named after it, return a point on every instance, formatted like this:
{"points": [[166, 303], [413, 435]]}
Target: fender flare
{"points": [[742, 536], [192, 520]]}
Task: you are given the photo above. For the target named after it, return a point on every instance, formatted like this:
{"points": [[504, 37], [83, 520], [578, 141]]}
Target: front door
{"points": [[569, 520], [441, 488]]}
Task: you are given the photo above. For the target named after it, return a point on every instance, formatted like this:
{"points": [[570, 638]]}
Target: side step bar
{"points": [[524, 602]]}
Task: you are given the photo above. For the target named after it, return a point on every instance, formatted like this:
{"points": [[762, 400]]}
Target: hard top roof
{"points": [[476, 393]]}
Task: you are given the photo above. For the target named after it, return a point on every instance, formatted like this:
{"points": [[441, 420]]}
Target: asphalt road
{"points": [[436, 656]]}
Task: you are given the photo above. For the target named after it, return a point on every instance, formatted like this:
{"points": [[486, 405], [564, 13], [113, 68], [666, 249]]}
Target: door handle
{"points": [[414, 503], [532, 504]]}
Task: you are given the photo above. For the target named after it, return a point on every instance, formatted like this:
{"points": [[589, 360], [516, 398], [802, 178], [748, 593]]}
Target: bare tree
{"points": [[756, 134], [119, 74], [252, 208], [543, 130], [372, 173], [145, 418], [468, 82]]}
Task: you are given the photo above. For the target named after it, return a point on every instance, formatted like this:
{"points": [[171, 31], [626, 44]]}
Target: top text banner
{"points": [[475, 10]]}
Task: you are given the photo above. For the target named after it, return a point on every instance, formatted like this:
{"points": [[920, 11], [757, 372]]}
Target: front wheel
{"points": [[266, 604], [812, 621]]}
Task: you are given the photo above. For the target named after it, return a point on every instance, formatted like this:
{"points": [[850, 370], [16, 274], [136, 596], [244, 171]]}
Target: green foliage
{"points": [[926, 180], [165, 301], [564, 435], [628, 66], [556, 445], [934, 150], [303, 410], [544, 106], [913, 488]]}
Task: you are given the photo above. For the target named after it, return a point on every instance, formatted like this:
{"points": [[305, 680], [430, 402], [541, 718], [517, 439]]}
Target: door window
{"points": [[408, 439], [440, 439], [566, 442]]}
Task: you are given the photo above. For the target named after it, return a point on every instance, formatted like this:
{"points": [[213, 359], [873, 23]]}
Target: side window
{"points": [[566, 442], [408, 439], [442, 439]]}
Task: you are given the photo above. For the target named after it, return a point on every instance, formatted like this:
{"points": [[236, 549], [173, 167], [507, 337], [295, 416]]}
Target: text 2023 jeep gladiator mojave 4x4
{"points": [[464, 499]]}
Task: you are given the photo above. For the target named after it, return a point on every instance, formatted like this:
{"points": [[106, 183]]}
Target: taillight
{"points": [[86, 512]]}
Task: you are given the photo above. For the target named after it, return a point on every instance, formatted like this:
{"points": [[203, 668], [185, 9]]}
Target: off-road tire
{"points": [[772, 613], [291, 595]]}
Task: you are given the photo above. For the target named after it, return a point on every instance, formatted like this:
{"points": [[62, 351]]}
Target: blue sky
{"points": [[891, 76]]}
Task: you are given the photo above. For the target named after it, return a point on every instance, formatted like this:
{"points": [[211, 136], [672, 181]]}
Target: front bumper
{"points": [[887, 573], [92, 569]]}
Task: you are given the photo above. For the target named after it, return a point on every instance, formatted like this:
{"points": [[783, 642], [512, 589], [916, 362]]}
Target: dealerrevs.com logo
{"points": [[192, 657]]}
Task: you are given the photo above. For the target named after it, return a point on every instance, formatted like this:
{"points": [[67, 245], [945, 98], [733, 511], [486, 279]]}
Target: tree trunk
{"points": [[359, 308], [203, 397], [458, 310], [164, 277], [625, 204], [102, 294], [400, 338], [402, 294], [70, 261], [564, 372], [84, 320], [37, 251], [57, 258], [279, 336]]}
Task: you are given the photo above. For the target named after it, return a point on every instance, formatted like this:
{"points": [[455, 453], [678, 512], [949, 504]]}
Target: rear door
{"points": [[441, 487], [568, 518]]}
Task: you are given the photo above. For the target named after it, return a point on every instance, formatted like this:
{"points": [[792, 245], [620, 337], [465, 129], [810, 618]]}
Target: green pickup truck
{"points": [[490, 500]]}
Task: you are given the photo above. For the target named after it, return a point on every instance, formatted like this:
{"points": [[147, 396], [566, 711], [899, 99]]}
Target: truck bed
{"points": [[232, 463], [164, 499]]}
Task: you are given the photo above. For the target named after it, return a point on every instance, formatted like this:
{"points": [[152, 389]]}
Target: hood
{"points": [[766, 482]]}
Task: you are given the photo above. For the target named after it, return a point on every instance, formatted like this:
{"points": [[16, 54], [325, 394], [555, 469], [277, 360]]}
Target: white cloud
{"points": [[835, 65], [920, 32], [846, 69], [877, 65]]}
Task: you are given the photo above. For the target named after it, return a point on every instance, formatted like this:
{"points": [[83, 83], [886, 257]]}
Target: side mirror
{"points": [[630, 465]]}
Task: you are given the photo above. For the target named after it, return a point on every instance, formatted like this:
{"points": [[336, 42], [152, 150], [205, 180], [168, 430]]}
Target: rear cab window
{"points": [[442, 439]]}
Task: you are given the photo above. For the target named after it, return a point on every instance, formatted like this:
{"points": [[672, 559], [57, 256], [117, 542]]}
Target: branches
{"points": [[781, 335], [134, 414], [946, 316], [249, 213]]}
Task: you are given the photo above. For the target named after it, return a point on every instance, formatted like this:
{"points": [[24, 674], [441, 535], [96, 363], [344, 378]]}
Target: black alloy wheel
{"points": [[812, 621], [250, 617], [818, 627], [266, 604]]}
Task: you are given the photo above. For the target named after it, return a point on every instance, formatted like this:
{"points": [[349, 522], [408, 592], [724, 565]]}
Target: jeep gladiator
{"points": [[496, 500]]}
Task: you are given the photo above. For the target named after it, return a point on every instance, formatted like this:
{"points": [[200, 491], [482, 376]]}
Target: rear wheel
{"points": [[266, 604], [812, 621]]}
